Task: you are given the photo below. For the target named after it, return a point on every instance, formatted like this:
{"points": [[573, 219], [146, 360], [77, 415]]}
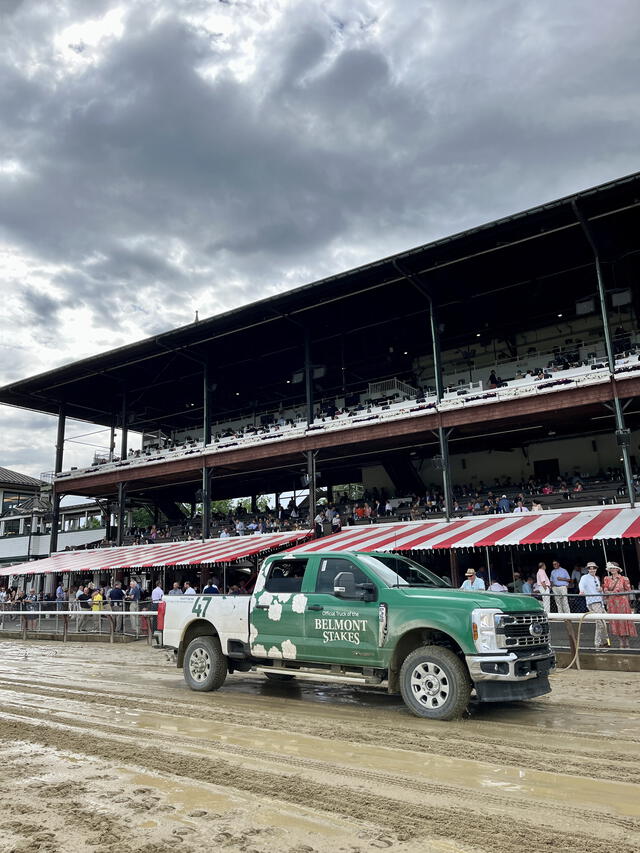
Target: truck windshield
{"points": [[401, 571]]}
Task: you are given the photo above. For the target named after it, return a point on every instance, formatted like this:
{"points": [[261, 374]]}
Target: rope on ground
{"points": [[575, 658]]}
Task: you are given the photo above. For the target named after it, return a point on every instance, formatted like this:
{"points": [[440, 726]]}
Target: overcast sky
{"points": [[158, 157]]}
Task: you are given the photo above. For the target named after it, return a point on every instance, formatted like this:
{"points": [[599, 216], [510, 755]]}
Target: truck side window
{"points": [[331, 567], [285, 576]]}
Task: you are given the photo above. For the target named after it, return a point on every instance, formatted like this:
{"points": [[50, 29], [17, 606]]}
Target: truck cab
{"points": [[375, 618]]}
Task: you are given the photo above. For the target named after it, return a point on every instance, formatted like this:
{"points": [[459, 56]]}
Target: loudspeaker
{"points": [[585, 306], [620, 297]]}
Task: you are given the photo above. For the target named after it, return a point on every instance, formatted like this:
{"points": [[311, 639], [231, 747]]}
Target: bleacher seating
{"points": [[372, 411]]}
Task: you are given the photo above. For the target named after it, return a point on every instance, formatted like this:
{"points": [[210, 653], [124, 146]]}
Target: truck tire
{"points": [[279, 676], [204, 667], [434, 683]]}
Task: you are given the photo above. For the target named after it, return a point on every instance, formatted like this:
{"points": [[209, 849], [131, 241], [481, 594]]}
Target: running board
{"points": [[321, 676]]}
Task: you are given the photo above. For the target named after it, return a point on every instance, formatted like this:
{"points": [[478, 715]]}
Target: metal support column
{"points": [[622, 433], [55, 497], [206, 406], [206, 502], [443, 436], [437, 356], [308, 376], [112, 442], [311, 478], [122, 493], [124, 437]]}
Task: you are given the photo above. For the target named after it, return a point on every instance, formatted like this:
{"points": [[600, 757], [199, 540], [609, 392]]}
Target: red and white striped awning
{"points": [[210, 552], [485, 531]]}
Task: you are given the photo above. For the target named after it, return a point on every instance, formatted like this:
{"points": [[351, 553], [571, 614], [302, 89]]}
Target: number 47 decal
{"points": [[200, 606]]}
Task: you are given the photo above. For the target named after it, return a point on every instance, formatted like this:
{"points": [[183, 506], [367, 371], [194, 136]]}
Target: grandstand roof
{"points": [[14, 478], [503, 276]]}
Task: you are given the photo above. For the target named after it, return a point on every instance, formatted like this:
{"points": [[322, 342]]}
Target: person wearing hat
{"points": [[504, 504], [592, 591], [618, 587], [472, 582]]}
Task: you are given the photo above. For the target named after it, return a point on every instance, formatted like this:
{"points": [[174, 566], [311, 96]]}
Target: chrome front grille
{"points": [[522, 630]]}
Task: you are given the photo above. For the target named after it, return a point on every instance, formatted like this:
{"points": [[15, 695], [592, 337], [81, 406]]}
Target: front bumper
{"points": [[510, 666]]}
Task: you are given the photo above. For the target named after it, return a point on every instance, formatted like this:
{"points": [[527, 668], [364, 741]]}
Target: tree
{"points": [[142, 517]]}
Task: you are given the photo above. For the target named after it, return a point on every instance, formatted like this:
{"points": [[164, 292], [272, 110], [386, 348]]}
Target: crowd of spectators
{"points": [[502, 496], [578, 591]]}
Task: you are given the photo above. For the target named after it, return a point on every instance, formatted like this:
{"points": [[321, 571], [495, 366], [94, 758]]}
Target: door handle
{"points": [[262, 606], [315, 607]]}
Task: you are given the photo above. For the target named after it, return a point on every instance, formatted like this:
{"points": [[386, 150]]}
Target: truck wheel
{"points": [[205, 667], [279, 676], [434, 683]]}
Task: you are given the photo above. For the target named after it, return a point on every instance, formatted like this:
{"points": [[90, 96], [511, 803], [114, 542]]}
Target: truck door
{"points": [[277, 610], [339, 630]]}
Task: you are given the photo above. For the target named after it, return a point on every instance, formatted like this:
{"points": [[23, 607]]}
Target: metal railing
{"points": [[70, 620], [577, 643], [391, 386]]}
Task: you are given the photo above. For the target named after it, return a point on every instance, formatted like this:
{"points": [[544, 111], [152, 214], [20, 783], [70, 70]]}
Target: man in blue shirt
{"points": [[116, 599], [504, 504], [211, 588], [560, 580], [472, 581]]}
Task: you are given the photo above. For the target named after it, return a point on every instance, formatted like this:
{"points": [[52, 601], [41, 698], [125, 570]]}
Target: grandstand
{"points": [[474, 364]]}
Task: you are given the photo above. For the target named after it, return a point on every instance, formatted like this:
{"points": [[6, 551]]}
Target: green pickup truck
{"points": [[366, 618]]}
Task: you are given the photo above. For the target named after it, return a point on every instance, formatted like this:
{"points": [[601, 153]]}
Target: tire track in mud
{"points": [[359, 773], [612, 766], [499, 832]]}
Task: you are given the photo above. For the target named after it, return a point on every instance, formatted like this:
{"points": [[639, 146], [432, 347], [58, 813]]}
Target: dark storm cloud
{"points": [[41, 306], [142, 146]]}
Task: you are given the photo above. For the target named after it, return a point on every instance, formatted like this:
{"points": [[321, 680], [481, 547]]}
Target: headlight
{"points": [[483, 625]]}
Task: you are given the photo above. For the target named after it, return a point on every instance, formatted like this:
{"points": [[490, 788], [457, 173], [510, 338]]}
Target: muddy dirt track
{"points": [[104, 749]]}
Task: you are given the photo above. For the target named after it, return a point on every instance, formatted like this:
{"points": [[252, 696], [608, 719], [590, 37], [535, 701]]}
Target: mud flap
{"points": [[512, 691]]}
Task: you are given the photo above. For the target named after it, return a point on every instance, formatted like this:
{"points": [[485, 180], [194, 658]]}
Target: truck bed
{"points": [[229, 614]]}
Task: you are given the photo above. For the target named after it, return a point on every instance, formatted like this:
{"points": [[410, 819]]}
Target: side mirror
{"points": [[344, 585]]}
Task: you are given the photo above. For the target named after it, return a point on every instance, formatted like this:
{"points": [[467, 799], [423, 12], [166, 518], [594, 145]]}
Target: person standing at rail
{"points": [[543, 586], [591, 589], [618, 587], [116, 600], [96, 606], [560, 580], [134, 595], [83, 599]]}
